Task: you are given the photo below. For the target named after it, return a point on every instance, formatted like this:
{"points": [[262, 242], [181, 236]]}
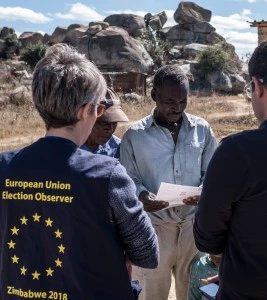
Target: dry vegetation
{"points": [[226, 114], [20, 124]]}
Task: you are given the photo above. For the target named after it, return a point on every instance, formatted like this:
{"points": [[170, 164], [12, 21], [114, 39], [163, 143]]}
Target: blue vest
{"points": [[56, 238]]}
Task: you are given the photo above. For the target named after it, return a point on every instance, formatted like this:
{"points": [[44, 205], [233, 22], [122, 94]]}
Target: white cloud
{"points": [[236, 30], [235, 21], [170, 21], [23, 14], [233, 36], [246, 12], [41, 31], [81, 13], [251, 1]]}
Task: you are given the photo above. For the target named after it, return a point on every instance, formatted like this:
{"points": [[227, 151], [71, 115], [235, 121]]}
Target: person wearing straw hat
{"points": [[102, 139]]}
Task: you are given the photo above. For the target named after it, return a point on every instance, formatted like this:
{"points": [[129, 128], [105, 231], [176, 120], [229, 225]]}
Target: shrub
{"points": [[219, 58], [155, 46], [214, 59], [33, 53], [11, 41]]}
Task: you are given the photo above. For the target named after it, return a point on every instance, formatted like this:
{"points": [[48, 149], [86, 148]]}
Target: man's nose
{"points": [[110, 127], [177, 107]]}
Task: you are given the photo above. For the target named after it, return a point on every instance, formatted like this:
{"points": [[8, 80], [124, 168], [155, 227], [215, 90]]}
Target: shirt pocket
{"points": [[193, 156]]}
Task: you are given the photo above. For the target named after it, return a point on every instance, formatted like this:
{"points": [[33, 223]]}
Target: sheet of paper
{"points": [[175, 193]]}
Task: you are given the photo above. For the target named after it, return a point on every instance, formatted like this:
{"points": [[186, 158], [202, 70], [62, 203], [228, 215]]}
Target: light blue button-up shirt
{"points": [[150, 157]]}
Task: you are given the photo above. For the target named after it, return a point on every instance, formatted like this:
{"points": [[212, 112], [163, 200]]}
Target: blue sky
{"points": [[228, 16]]}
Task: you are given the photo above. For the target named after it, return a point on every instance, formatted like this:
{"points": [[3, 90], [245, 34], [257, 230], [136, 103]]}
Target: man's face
{"points": [[256, 100], [171, 101], [102, 131]]}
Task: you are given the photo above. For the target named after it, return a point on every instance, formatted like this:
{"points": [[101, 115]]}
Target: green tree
{"points": [[218, 58], [33, 53], [213, 59]]}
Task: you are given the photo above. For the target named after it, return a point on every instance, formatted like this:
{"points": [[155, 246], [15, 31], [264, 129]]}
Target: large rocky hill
{"points": [[127, 43]]}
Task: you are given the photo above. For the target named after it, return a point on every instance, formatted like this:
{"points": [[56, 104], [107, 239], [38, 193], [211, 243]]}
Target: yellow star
{"points": [[36, 218], [61, 248], [58, 234], [23, 220], [11, 244], [14, 230], [58, 262], [23, 270], [15, 259], [35, 275], [48, 222], [49, 272]]}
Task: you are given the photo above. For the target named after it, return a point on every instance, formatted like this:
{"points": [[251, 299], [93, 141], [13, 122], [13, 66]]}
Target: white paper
{"points": [[175, 193]]}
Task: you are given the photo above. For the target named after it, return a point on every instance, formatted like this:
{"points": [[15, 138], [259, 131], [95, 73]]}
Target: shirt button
{"points": [[177, 171]]}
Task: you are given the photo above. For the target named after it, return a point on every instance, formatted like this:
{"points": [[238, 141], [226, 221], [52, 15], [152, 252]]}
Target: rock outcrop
{"points": [[27, 38], [156, 22], [113, 49], [131, 43], [133, 24], [190, 13]]}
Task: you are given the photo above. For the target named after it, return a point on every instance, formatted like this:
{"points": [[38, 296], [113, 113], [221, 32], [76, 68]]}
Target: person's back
{"points": [[231, 216], [246, 242], [61, 232], [69, 218]]}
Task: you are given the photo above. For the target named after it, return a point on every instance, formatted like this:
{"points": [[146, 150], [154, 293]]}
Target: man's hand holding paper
{"points": [[150, 205], [178, 194]]}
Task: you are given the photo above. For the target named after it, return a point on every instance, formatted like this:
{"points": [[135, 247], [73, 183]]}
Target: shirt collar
{"points": [[187, 119]]}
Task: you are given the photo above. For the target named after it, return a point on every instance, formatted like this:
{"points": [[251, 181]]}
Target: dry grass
{"points": [[226, 114], [21, 125]]}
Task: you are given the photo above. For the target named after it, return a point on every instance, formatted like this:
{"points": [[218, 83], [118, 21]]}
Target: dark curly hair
{"points": [[257, 65], [170, 72]]}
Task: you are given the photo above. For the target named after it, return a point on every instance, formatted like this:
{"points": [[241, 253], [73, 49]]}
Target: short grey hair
{"points": [[170, 72], [63, 81]]}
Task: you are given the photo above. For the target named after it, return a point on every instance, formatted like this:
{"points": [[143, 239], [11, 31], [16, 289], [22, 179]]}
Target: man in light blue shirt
{"points": [[169, 146], [102, 140]]}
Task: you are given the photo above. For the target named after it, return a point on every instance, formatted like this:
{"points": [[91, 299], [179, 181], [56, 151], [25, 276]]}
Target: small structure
{"points": [[262, 29], [126, 82]]}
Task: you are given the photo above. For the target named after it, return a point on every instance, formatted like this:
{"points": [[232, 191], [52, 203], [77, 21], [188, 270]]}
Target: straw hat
{"points": [[114, 113]]}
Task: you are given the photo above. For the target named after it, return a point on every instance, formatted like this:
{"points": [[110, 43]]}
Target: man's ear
{"points": [[153, 94], [259, 87]]}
